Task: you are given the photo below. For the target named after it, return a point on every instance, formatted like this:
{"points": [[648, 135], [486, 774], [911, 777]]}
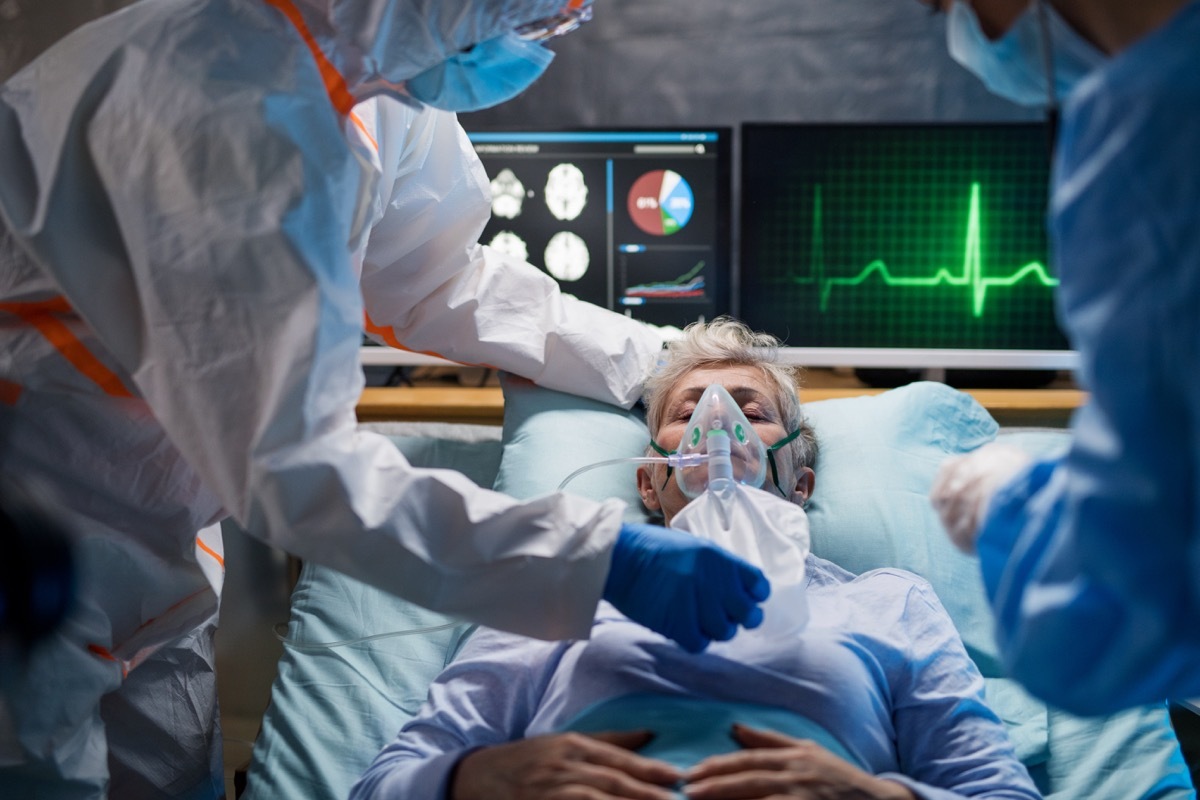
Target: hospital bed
{"points": [[357, 662]]}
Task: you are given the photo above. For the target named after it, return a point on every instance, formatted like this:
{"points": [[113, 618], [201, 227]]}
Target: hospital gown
{"points": [[1091, 563], [880, 667]]}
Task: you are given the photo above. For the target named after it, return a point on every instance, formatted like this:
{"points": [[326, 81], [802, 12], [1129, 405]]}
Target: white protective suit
{"points": [[190, 222]]}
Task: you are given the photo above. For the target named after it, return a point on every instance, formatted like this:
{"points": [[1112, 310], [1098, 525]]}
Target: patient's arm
{"points": [[468, 739], [466, 742], [949, 741], [486, 697], [547, 766], [774, 765]]}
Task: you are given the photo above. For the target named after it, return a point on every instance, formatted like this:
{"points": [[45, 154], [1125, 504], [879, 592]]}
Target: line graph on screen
{"points": [[969, 274]]}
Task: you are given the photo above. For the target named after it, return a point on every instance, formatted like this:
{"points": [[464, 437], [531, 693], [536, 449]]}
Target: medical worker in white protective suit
{"points": [[196, 214], [1092, 561]]}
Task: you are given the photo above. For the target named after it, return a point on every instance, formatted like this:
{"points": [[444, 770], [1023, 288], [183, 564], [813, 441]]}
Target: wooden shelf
{"points": [[485, 405]]}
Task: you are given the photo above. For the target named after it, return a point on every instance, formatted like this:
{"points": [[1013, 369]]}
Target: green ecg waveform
{"points": [[970, 274]]}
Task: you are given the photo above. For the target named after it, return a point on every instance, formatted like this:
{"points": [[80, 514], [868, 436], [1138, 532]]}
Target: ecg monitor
{"points": [[636, 221], [924, 245]]}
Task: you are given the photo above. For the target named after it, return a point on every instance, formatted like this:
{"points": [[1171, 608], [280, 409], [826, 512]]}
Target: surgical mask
{"points": [[488, 74], [1019, 65]]}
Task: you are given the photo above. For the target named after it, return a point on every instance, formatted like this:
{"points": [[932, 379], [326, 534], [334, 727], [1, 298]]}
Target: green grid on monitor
{"points": [[907, 236]]}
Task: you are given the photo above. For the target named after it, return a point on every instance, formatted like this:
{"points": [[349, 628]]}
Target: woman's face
{"points": [[755, 395]]}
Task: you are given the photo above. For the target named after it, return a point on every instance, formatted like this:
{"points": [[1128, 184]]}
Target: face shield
{"points": [[573, 14]]}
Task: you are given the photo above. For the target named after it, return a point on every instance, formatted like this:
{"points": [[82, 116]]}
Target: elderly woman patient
{"points": [[874, 697]]}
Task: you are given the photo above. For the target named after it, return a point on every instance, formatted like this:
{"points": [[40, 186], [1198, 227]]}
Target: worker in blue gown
{"points": [[1090, 561]]}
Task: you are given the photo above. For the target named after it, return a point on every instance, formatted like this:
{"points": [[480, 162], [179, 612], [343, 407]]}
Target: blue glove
{"points": [[685, 588]]}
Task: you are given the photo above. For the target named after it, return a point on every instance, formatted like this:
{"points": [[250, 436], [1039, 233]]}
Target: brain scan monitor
{"points": [[633, 220]]}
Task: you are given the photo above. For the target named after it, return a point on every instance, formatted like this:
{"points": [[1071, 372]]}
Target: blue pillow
{"points": [[548, 435], [870, 505]]}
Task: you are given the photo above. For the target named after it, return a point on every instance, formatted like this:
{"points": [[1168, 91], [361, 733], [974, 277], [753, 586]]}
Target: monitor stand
{"points": [[959, 378]]}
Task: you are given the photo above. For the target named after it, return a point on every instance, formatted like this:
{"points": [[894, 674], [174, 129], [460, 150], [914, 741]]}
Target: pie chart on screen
{"points": [[660, 202]]}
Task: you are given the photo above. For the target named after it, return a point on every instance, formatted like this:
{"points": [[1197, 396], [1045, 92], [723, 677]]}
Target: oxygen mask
{"points": [[721, 465], [729, 508], [722, 444], [719, 442]]}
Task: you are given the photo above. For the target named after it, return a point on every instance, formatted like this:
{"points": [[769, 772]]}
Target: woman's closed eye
{"points": [[756, 413], [684, 414]]}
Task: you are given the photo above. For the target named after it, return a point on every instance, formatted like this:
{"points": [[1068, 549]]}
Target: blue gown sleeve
{"points": [[1090, 563]]}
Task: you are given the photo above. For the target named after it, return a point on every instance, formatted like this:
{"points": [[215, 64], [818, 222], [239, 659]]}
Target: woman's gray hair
{"points": [[728, 342]]}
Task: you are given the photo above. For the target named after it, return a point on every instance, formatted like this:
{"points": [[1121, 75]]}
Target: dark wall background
{"points": [[722, 62], [686, 62]]}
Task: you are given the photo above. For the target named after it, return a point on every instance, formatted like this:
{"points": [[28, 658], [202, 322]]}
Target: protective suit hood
{"points": [[376, 45]]}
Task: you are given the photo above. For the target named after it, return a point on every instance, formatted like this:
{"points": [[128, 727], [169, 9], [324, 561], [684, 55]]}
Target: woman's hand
{"points": [[598, 766], [775, 766]]}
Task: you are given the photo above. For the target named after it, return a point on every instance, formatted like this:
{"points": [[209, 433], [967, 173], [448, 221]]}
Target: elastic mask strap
{"points": [[771, 459], [664, 454]]}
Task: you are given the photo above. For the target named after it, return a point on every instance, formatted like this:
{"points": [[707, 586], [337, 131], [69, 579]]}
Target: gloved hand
{"points": [[964, 486], [683, 587]]}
